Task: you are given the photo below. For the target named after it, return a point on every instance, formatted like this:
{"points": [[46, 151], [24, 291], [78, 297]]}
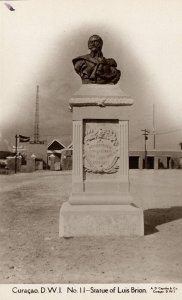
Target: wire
{"points": [[165, 132]]}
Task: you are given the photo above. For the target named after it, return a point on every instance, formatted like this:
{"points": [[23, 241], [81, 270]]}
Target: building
{"points": [[29, 150], [59, 156], [156, 159], [3, 158]]}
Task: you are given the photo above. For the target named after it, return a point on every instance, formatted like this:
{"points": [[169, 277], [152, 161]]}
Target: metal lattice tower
{"points": [[36, 124]]}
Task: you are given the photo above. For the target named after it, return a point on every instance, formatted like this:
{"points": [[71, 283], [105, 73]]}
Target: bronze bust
{"points": [[94, 67]]}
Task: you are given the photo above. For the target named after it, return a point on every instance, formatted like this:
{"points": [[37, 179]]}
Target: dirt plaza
{"points": [[32, 252]]}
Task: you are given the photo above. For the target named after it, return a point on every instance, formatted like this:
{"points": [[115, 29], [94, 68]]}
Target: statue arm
{"points": [[79, 66], [111, 74]]}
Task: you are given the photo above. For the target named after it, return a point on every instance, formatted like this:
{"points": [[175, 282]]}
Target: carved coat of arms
{"points": [[101, 151]]}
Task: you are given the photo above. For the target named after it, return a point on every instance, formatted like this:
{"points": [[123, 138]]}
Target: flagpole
{"points": [[16, 145]]}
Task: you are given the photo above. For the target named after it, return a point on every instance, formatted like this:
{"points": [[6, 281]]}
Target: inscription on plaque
{"points": [[101, 150]]}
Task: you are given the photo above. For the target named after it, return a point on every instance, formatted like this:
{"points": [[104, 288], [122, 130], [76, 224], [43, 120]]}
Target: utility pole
{"points": [[16, 146], [36, 124], [146, 132], [154, 125]]}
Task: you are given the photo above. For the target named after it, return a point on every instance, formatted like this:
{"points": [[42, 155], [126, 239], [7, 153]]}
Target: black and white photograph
{"points": [[91, 149]]}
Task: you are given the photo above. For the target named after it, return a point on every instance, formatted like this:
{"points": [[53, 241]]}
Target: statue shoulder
{"points": [[80, 58], [111, 62]]}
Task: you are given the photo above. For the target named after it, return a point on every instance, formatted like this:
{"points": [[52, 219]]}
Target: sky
{"points": [[41, 37]]}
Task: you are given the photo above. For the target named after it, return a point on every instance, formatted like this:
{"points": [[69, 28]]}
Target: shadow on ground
{"points": [[159, 216]]}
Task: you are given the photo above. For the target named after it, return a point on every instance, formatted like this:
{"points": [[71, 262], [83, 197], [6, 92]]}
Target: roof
{"points": [[64, 139], [55, 145], [4, 154], [176, 153], [70, 146]]}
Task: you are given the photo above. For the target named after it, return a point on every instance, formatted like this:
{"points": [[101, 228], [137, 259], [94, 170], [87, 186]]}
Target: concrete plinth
{"points": [[100, 220]]}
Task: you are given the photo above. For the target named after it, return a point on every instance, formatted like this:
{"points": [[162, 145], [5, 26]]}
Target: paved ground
{"points": [[31, 252]]}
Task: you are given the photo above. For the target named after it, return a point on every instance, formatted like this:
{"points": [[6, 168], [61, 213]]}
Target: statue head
{"points": [[95, 43]]}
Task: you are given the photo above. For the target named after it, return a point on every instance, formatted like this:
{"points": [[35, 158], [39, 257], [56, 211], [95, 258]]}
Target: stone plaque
{"points": [[101, 148]]}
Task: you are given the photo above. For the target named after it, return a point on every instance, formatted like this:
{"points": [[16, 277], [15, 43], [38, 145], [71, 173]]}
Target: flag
{"points": [[24, 139]]}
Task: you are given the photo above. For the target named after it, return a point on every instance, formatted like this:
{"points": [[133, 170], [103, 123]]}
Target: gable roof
{"points": [[70, 146], [55, 145]]}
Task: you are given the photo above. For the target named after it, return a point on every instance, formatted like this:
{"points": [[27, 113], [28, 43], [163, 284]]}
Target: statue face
{"points": [[95, 43]]}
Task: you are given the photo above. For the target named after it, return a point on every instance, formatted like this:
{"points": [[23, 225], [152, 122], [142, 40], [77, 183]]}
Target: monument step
{"points": [[100, 220]]}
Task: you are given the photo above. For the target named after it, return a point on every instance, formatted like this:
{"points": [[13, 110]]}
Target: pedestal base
{"points": [[100, 220]]}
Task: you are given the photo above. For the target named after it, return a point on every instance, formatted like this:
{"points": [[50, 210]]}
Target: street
{"points": [[32, 252]]}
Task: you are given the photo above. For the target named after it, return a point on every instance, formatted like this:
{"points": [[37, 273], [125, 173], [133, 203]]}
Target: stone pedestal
{"points": [[100, 203]]}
